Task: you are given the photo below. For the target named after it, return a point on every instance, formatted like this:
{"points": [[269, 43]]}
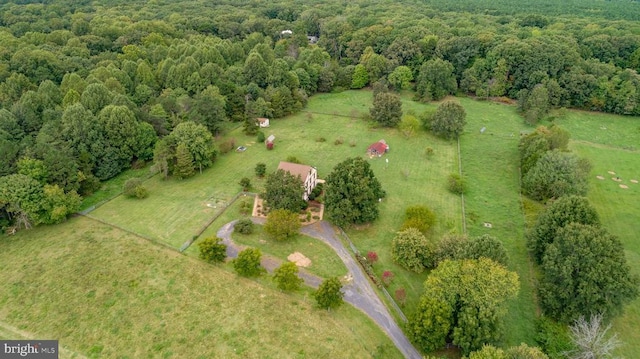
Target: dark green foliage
{"points": [[184, 162], [566, 210], [287, 276], [282, 224], [456, 184], [316, 192], [457, 247], [552, 337], [387, 109], [532, 147], [244, 226], [284, 191], [227, 146], [352, 193], [534, 105], [328, 294], [435, 80], [212, 250], [133, 187], [260, 169], [449, 120], [245, 183], [585, 272], [557, 174], [419, 217], [412, 250], [260, 137], [248, 263]]}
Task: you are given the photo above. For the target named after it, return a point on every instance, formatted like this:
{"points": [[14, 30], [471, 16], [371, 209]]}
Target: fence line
{"points": [[464, 217], [188, 243], [384, 290], [104, 201]]}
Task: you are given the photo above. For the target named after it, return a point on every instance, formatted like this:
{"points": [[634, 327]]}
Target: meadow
{"points": [[106, 293]]}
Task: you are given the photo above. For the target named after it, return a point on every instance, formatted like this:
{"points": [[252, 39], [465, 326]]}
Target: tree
{"points": [[287, 276], [557, 174], [449, 120], [212, 250], [245, 183], [387, 109], [485, 246], [531, 148], [352, 193], [282, 224], [419, 217], [435, 80], [133, 187], [198, 141], [360, 77], [328, 295], [409, 125], [412, 250], [566, 210], [401, 78], [591, 340], [522, 351], [535, 104], [260, 169], [244, 226], [585, 272], [184, 162], [464, 301], [284, 190], [248, 262]]}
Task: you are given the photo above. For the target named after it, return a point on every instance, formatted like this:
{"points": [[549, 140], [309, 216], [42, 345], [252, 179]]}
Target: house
{"points": [[308, 175], [378, 149], [262, 122]]}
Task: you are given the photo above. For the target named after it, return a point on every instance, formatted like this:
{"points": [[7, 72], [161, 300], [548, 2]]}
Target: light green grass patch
{"points": [[105, 293]]}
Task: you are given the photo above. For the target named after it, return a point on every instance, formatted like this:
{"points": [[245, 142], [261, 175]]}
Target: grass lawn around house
{"points": [[105, 293]]}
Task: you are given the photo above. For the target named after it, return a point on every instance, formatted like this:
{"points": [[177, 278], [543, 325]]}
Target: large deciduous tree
{"points": [[566, 210], [436, 80], [585, 272], [463, 301], [387, 109], [282, 224], [352, 193], [412, 250], [449, 120], [557, 174], [284, 190]]}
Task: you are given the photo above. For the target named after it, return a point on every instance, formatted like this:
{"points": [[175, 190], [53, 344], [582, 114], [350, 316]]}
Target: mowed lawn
{"points": [[105, 293]]}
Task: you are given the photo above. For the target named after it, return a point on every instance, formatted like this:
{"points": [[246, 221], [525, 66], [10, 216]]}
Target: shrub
{"points": [[456, 184], [553, 338], [420, 218], [244, 226], [227, 146], [372, 257], [212, 250], [246, 207], [387, 277], [293, 159], [328, 294], [133, 188], [428, 152], [401, 296], [338, 141], [260, 169], [316, 192], [245, 183], [366, 265], [260, 136], [270, 146], [286, 276], [141, 192], [248, 262]]}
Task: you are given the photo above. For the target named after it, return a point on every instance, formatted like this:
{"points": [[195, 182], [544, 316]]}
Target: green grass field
{"points": [[105, 293]]}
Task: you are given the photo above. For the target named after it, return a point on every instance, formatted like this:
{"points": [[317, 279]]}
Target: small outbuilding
{"points": [[269, 141], [378, 149], [262, 122]]}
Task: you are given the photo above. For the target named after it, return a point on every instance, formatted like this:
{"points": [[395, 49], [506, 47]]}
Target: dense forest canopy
{"points": [[91, 88]]}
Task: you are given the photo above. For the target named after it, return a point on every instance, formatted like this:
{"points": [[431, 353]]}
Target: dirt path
{"points": [[358, 292]]}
